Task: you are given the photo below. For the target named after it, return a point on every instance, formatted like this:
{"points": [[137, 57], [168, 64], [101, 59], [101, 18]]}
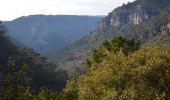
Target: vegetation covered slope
{"points": [[45, 33], [120, 70], [140, 75], [142, 19], [39, 70]]}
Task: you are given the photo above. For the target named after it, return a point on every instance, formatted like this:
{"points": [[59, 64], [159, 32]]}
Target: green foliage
{"points": [[116, 70], [107, 45], [23, 72], [44, 94], [40, 71], [123, 73], [118, 43], [15, 83], [143, 74]]}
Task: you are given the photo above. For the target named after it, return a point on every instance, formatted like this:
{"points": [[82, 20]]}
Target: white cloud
{"points": [[11, 9]]}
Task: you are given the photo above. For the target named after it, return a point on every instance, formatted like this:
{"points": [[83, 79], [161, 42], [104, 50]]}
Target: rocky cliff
{"points": [[133, 13]]}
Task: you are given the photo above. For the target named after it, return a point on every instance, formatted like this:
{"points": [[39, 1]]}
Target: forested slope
{"points": [[142, 19], [49, 33], [38, 69]]}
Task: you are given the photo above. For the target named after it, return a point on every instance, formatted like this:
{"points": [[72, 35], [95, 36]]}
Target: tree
{"points": [[142, 74], [117, 44], [15, 83]]}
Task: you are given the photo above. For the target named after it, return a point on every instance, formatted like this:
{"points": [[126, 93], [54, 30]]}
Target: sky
{"points": [[11, 9]]}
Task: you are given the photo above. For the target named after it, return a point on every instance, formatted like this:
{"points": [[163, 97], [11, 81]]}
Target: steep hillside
{"points": [[46, 33], [141, 19], [39, 70]]}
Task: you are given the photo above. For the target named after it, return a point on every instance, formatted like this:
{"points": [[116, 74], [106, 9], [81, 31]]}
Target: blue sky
{"points": [[11, 9]]}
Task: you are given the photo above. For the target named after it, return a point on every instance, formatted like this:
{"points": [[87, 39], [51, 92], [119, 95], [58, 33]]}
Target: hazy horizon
{"points": [[13, 9]]}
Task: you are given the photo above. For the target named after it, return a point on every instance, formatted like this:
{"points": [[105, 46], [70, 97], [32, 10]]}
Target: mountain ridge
{"points": [[46, 33]]}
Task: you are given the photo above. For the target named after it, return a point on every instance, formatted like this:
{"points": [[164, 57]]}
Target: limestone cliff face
{"points": [[138, 16], [124, 16], [133, 13], [165, 29], [168, 26]]}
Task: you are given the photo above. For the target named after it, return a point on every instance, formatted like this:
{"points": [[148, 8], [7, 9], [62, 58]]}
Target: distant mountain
{"points": [[46, 33], [141, 19]]}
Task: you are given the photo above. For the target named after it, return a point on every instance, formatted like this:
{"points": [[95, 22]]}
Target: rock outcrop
{"points": [[132, 13]]}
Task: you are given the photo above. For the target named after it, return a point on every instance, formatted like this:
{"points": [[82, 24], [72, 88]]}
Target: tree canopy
{"points": [[142, 74]]}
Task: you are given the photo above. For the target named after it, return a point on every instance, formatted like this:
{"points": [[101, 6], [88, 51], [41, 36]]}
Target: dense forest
{"points": [[22, 69], [119, 69], [126, 59], [122, 70]]}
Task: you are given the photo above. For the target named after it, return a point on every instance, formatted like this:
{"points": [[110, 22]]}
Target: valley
{"points": [[122, 56], [47, 34]]}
